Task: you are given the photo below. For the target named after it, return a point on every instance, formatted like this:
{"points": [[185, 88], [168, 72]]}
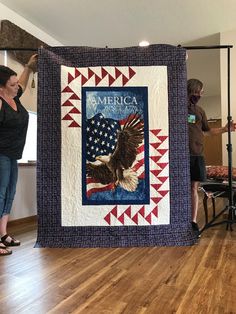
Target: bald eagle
{"points": [[116, 167]]}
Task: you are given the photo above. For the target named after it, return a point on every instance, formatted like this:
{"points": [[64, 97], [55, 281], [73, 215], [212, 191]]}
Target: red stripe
{"points": [[137, 166], [102, 189], [140, 149], [123, 121], [91, 180], [142, 175]]}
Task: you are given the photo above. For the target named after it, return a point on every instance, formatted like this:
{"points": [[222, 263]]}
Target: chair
{"points": [[213, 189]]}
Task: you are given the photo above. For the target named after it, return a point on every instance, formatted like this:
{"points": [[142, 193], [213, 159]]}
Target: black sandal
{"points": [[3, 250], [13, 241]]}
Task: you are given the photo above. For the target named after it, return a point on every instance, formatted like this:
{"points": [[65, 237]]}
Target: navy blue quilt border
{"points": [[50, 231]]}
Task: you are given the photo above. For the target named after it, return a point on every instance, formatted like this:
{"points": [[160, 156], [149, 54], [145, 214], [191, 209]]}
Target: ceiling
{"points": [[122, 23], [119, 23]]}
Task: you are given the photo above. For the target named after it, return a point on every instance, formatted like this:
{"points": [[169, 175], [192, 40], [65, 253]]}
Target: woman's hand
{"points": [[32, 63], [30, 66], [232, 126]]}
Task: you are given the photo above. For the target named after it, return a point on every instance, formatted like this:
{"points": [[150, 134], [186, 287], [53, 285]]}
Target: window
{"points": [[30, 150]]}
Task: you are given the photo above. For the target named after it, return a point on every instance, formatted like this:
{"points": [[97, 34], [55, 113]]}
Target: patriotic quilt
{"points": [[113, 147]]}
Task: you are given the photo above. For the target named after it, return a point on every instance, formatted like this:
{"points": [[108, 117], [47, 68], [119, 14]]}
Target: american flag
{"points": [[101, 139]]}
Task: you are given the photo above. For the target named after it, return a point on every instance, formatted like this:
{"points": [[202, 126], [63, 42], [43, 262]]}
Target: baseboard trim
{"points": [[30, 219]]}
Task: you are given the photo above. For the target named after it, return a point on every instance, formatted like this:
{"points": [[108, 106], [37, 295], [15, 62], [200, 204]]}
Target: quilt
{"points": [[112, 165]]}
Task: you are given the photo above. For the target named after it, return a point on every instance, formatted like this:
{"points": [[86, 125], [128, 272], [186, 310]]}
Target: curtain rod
{"points": [[206, 47], [16, 49], [185, 47]]}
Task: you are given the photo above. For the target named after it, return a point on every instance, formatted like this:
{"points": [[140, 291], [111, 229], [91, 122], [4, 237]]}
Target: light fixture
{"points": [[144, 43]]}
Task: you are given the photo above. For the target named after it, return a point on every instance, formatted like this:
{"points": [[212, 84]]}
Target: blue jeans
{"points": [[8, 179]]}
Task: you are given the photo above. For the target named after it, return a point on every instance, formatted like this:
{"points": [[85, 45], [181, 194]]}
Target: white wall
{"points": [[228, 38], [25, 203], [212, 106], [204, 64]]}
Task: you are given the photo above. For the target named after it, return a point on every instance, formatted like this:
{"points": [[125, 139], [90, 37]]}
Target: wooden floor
{"points": [[197, 279]]}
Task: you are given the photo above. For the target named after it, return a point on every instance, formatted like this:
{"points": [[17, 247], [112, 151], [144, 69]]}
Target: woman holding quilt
{"points": [[13, 129]]}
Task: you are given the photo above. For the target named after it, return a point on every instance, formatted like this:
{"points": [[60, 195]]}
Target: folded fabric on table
{"points": [[219, 173]]}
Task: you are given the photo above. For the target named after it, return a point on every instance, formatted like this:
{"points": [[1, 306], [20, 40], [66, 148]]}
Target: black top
{"points": [[13, 128]]}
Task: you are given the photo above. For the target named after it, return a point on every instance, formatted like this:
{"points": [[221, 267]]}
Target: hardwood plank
{"points": [[150, 280]]}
